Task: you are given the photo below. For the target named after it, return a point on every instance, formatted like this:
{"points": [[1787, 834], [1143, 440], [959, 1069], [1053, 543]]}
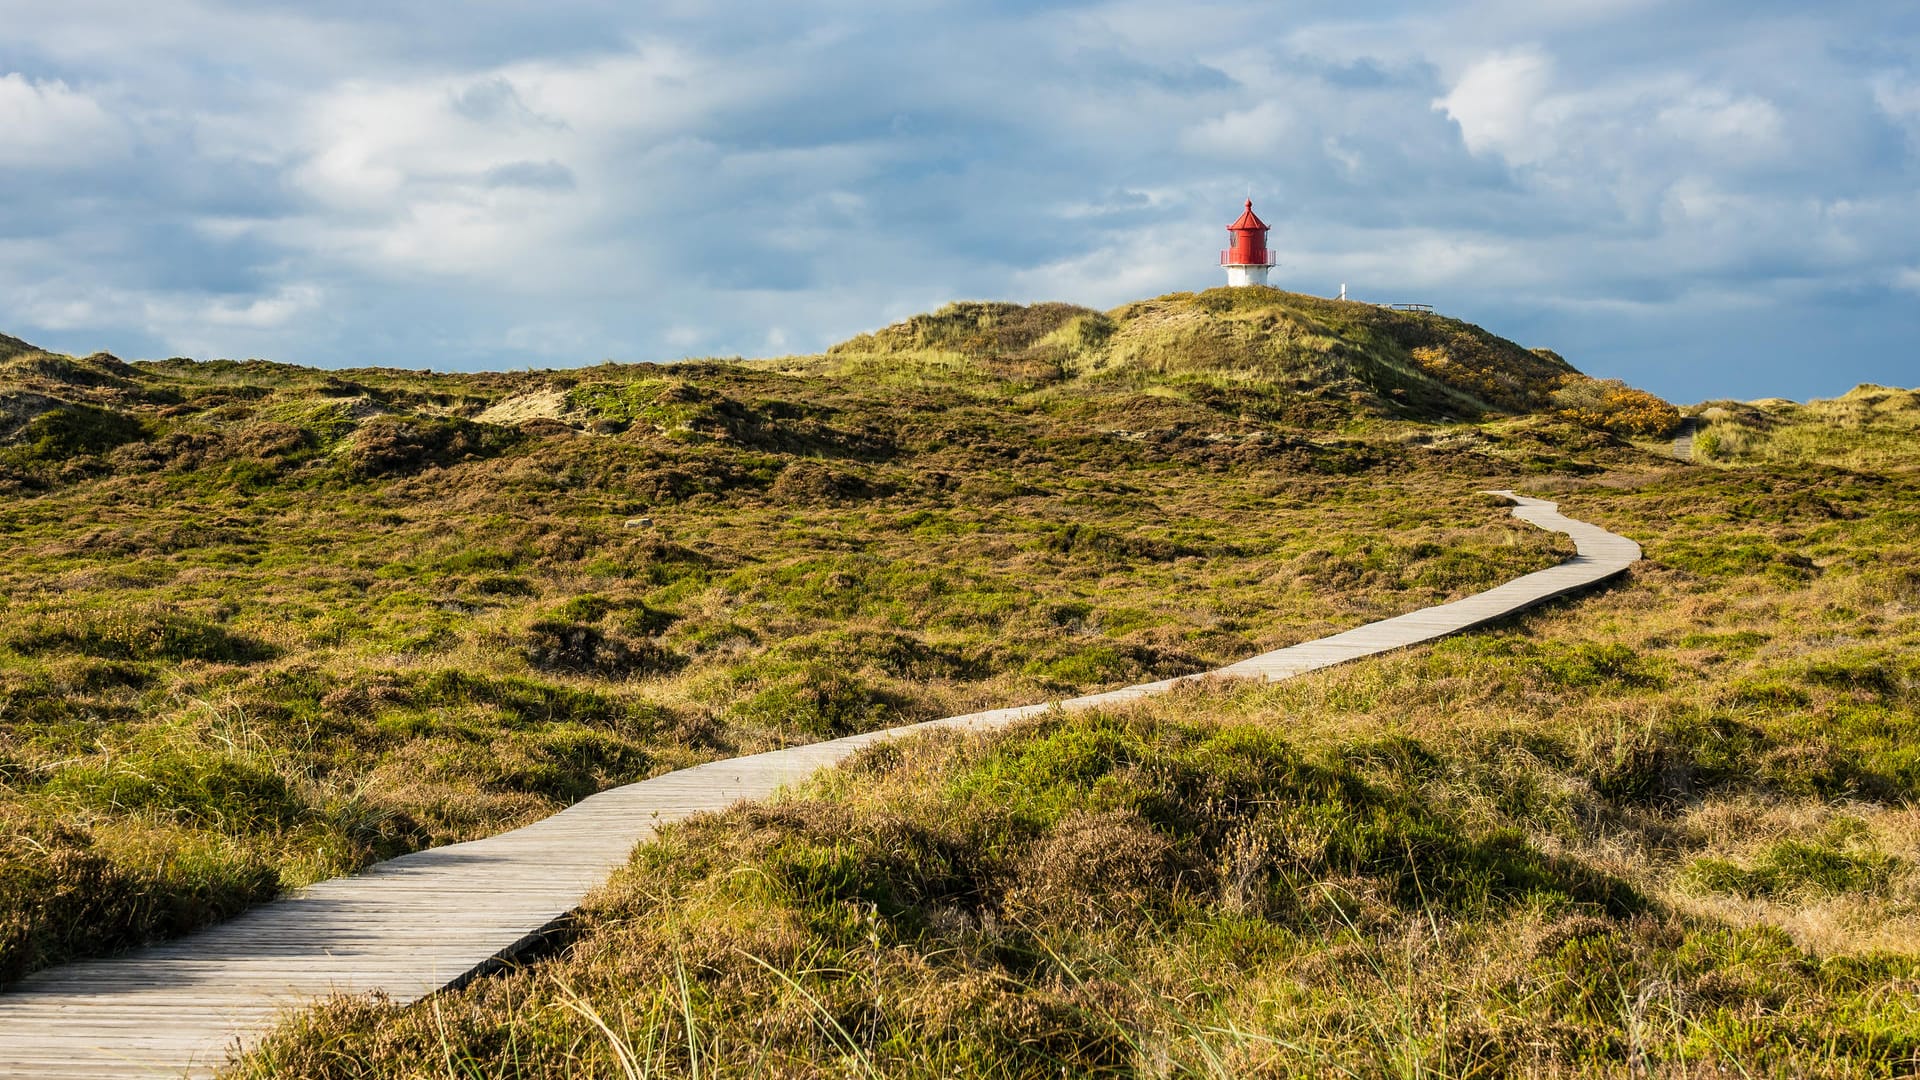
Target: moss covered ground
{"points": [[1664, 829], [265, 624], [299, 620], [1871, 428]]}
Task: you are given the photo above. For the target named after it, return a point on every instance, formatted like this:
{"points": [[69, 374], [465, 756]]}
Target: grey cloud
{"points": [[544, 175], [495, 100]]}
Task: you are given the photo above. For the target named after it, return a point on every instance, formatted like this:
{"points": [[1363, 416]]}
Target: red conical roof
{"points": [[1248, 221]]}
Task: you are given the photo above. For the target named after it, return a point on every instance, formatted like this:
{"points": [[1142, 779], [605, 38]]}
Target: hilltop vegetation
{"points": [[1869, 427], [1667, 829], [1261, 353], [13, 346], [266, 624], [289, 621]]}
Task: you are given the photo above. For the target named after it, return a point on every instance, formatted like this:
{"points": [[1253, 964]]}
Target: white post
{"points": [[1343, 290]]}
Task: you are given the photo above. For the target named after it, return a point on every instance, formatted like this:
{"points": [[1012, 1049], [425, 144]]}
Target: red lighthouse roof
{"points": [[1248, 246]]}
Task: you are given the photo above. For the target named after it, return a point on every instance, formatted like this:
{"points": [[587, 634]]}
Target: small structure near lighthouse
{"points": [[1246, 257]]}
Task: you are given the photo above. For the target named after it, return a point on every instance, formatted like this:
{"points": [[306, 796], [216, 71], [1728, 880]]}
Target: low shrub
{"points": [[1079, 539], [229, 794], [822, 700], [72, 431], [1787, 867], [61, 897], [1612, 405], [808, 483], [580, 649], [139, 633], [394, 445]]}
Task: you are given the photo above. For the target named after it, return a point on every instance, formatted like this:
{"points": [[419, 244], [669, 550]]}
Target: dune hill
{"points": [[1219, 366], [1299, 356], [266, 624]]}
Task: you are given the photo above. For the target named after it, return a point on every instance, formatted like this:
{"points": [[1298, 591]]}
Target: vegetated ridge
{"points": [[267, 623], [288, 621], [1263, 351], [1258, 355]]}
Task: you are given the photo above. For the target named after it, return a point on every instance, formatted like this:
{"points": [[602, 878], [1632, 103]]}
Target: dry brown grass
{"points": [[1708, 769], [426, 629]]}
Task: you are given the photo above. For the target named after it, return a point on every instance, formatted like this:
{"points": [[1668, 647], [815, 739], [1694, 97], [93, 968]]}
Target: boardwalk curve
{"points": [[423, 921]]}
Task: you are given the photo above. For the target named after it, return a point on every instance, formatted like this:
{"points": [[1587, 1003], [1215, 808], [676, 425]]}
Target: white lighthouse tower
{"points": [[1246, 257]]}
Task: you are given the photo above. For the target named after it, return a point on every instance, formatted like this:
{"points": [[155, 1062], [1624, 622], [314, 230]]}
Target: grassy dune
{"points": [[288, 621], [265, 624], [1666, 829], [1870, 428], [1255, 353]]}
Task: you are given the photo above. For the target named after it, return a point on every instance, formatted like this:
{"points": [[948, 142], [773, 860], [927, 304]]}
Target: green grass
{"points": [[400, 625], [1789, 866], [1117, 894], [305, 620], [1256, 353], [1869, 428], [1666, 828]]}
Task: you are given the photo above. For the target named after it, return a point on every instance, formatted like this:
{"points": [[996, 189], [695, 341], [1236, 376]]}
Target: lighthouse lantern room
{"points": [[1246, 257]]}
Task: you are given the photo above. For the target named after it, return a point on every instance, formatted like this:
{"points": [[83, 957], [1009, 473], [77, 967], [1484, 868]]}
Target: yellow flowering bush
{"points": [[1612, 405]]}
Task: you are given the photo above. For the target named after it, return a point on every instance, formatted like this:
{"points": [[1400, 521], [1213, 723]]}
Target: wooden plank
{"points": [[420, 922], [1683, 438]]}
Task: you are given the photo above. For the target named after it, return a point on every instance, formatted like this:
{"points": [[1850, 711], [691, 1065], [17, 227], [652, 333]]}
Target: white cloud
{"points": [[1897, 96], [1498, 103], [186, 323], [1740, 128], [258, 313], [62, 313], [49, 124], [1430, 259], [377, 147], [1139, 263], [1515, 106], [1346, 157], [413, 177], [1908, 278], [1261, 129], [512, 174]]}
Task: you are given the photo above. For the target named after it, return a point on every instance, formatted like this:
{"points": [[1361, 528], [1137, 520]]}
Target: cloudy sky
{"points": [[1714, 198]]}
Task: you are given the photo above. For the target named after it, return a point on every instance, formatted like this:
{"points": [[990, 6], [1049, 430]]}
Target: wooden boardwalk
{"points": [[1683, 438], [418, 923]]}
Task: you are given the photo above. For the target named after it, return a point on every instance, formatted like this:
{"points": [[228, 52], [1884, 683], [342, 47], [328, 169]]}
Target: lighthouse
{"points": [[1246, 257]]}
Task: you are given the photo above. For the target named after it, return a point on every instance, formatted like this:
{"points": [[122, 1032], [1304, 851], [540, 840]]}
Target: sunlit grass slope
{"points": [[1664, 829], [1869, 427], [1255, 352], [264, 624]]}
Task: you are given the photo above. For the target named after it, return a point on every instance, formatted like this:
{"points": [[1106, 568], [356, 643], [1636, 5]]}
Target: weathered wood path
{"points": [[415, 924], [1683, 438]]}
